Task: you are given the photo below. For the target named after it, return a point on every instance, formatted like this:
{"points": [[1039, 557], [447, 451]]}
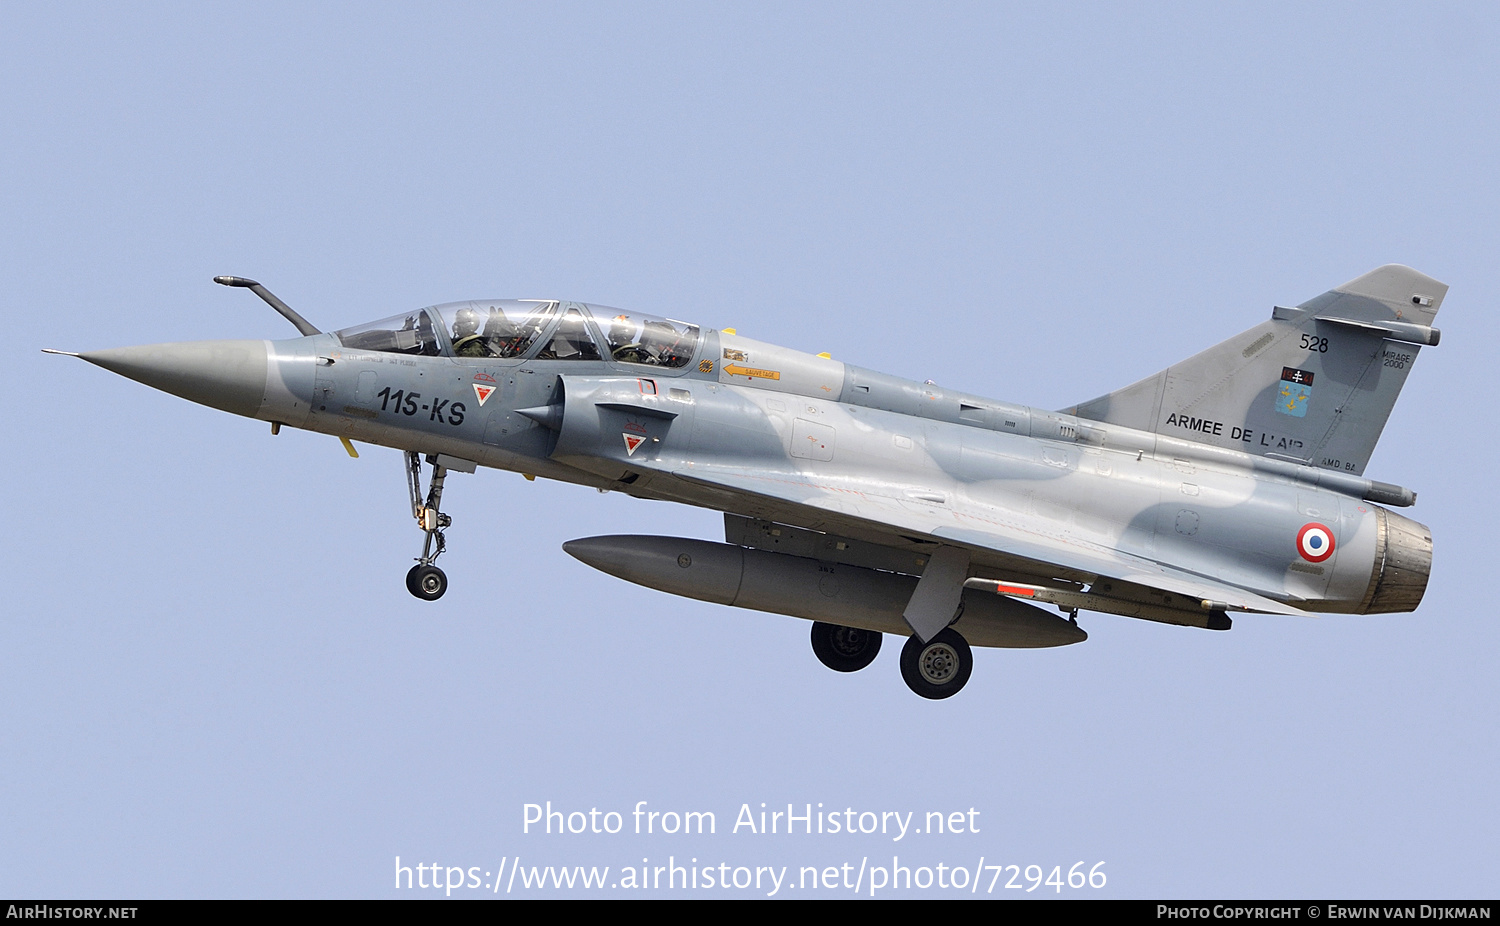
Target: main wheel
{"points": [[844, 649], [938, 668], [426, 582]]}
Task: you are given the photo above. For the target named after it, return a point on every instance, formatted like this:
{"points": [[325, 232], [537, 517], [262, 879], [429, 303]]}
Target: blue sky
{"points": [[214, 683]]}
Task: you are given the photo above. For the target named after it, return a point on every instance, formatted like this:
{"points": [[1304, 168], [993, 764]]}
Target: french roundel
{"points": [[1315, 542]]}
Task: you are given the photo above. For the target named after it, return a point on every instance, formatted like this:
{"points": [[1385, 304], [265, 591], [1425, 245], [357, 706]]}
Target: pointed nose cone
{"points": [[227, 375]]}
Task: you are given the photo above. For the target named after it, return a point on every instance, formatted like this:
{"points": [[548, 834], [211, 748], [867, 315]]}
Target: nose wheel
{"points": [[425, 580]]}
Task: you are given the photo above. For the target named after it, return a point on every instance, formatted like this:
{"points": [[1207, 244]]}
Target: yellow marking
{"points": [[730, 331], [528, 477], [349, 447], [826, 355], [736, 370]]}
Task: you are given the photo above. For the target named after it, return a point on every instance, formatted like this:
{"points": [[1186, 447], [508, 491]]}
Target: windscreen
{"points": [[411, 333]]}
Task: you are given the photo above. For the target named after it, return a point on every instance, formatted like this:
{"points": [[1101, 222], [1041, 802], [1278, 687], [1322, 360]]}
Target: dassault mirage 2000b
{"points": [[870, 504]]}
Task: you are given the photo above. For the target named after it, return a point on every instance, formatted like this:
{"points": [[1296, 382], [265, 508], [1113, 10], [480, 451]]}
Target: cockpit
{"points": [[529, 328]]}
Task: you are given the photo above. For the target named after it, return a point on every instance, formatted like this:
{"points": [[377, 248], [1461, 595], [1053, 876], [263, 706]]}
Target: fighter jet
{"points": [[870, 504]]}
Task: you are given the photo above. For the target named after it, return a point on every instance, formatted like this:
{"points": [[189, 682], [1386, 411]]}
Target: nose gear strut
{"points": [[425, 580]]}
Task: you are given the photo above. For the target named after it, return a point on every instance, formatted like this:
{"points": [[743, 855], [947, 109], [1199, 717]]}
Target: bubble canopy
{"points": [[542, 329]]}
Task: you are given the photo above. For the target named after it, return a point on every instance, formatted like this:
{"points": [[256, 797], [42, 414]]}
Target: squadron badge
{"points": [[1296, 390]]}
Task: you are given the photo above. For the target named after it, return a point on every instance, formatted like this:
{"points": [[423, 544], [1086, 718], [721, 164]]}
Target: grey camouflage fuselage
{"points": [[1232, 481]]}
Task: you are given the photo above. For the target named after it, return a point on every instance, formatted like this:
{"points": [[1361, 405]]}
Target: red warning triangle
{"points": [[482, 392], [632, 441]]}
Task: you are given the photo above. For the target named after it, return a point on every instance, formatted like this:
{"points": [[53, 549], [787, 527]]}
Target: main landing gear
{"points": [[844, 649], [936, 669], [425, 580]]}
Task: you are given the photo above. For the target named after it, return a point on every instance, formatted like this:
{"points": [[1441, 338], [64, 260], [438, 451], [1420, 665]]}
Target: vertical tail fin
{"points": [[1313, 385]]}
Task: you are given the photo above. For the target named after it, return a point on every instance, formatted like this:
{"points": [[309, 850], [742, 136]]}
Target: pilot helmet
{"points": [[465, 323]]}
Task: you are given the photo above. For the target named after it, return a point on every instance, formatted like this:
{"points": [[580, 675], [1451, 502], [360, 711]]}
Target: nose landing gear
{"points": [[425, 580]]}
